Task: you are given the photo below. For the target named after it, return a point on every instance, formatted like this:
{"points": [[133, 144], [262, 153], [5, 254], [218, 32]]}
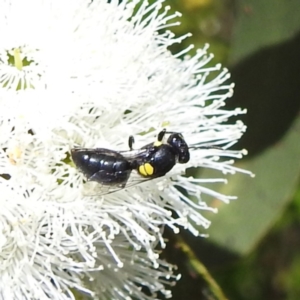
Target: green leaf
{"points": [[262, 23], [261, 200]]}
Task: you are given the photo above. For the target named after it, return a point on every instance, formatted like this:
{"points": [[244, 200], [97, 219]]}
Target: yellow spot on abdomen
{"points": [[146, 170]]}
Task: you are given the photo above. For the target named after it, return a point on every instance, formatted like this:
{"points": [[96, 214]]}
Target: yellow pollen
{"points": [[157, 143], [18, 59], [14, 155]]}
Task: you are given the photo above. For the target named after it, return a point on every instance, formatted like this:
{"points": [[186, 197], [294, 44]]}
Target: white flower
{"points": [[91, 73]]}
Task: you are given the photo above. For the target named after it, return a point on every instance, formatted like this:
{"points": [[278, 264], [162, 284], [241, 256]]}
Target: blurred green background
{"points": [[253, 251]]}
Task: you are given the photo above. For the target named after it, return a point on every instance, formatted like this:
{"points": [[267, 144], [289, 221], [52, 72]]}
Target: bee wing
{"points": [[132, 155], [103, 151], [98, 189]]}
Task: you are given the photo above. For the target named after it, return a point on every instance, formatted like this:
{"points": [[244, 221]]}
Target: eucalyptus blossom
{"points": [[77, 73]]}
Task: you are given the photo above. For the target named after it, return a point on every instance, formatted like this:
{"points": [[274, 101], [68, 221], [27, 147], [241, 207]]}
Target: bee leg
{"points": [[161, 135], [130, 142]]}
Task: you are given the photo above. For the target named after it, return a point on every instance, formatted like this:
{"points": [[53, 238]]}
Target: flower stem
{"points": [[201, 269]]}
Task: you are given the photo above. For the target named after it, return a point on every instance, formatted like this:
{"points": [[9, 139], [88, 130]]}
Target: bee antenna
{"points": [[207, 147]]}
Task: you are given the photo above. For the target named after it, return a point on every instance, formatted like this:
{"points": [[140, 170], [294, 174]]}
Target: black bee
{"points": [[113, 168]]}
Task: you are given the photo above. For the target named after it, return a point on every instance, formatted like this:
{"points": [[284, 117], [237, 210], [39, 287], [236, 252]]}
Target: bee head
{"points": [[178, 143]]}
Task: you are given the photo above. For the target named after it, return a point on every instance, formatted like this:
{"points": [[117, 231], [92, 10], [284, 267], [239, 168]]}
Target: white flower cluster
{"points": [[91, 73]]}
